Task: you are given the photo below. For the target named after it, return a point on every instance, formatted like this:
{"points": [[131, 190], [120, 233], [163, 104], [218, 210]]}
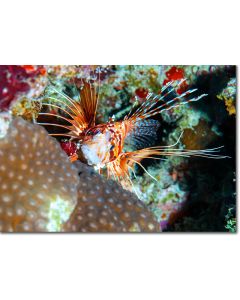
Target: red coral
{"points": [[69, 147], [176, 74], [141, 92], [15, 79]]}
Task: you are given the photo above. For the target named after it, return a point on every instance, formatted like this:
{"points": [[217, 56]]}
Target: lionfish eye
{"points": [[93, 132], [90, 132]]}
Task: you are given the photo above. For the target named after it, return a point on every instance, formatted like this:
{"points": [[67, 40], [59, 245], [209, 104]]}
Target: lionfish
{"points": [[102, 145]]}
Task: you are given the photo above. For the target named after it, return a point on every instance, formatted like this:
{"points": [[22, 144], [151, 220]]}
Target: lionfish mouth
{"points": [[82, 157], [88, 154]]}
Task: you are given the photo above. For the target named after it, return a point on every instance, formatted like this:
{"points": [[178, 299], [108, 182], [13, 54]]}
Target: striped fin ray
{"points": [[157, 152], [156, 104], [89, 102], [126, 161], [80, 114]]}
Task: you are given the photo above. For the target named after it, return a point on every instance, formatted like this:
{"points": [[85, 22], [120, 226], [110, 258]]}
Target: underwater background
{"points": [[190, 194]]}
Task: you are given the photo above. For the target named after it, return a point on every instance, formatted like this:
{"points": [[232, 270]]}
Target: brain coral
{"points": [[38, 185], [103, 206]]}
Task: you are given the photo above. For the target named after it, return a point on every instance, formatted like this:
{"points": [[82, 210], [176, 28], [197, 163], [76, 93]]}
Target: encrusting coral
{"points": [[38, 184], [103, 206], [228, 95]]}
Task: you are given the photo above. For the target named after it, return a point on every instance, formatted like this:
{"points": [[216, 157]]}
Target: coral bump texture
{"points": [[38, 184], [104, 206]]}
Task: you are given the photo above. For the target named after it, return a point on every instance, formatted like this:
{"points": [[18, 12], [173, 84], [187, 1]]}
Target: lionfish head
{"points": [[95, 146]]}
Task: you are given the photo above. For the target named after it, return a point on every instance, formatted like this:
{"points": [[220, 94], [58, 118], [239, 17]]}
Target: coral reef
{"points": [[38, 185], [196, 194], [165, 196], [228, 95], [105, 207], [231, 223]]}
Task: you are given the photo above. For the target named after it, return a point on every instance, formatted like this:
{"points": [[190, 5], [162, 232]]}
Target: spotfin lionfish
{"points": [[102, 145]]}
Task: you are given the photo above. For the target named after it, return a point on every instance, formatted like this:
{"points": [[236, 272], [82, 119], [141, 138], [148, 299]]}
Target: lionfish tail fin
{"points": [[166, 100]]}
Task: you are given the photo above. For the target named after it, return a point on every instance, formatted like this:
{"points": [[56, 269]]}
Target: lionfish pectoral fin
{"points": [[158, 152], [121, 167]]}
